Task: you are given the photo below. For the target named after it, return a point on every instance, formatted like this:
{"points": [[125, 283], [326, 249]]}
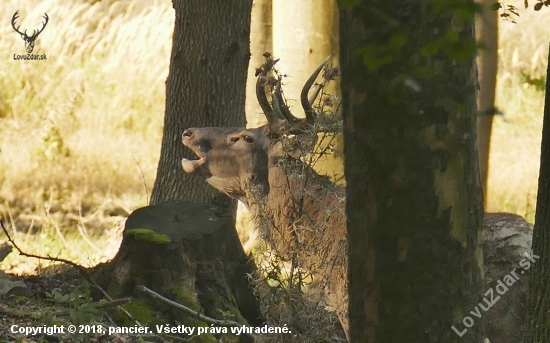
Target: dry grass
{"points": [[82, 172], [515, 147], [79, 167]]}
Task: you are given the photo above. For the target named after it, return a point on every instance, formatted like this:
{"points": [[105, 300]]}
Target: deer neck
{"points": [[296, 200]]}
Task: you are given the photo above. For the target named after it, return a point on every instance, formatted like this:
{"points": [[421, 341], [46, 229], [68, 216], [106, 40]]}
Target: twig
{"points": [[59, 234], [80, 269], [199, 316], [97, 305], [143, 178]]}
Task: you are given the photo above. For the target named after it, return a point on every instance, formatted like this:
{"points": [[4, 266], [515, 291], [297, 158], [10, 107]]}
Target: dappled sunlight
{"points": [[515, 145], [81, 131]]}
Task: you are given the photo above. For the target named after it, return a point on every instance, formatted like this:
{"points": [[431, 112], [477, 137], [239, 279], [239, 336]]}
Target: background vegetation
{"points": [[88, 168]]}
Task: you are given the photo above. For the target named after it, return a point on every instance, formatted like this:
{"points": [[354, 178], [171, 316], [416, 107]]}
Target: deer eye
{"points": [[248, 139]]}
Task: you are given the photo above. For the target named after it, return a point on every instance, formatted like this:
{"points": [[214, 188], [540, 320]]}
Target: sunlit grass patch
{"points": [[75, 156], [515, 146]]}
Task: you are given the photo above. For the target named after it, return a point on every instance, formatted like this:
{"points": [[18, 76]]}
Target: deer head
{"points": [[239, 161], [29, 40]]}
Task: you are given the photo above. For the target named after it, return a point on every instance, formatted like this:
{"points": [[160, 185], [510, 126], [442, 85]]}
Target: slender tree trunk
{"points": [[305, 32], [414, 204], [205, 86], [487, 64], [260, 42], [302, 38], [539, 288]]}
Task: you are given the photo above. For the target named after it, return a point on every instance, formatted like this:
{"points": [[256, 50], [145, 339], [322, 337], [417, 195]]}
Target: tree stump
{"points": [[508, 259], [188, 252]]}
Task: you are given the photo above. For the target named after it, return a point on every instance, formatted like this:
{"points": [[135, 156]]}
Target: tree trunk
{"points": [[414, 204], [205, 86], [187, 252], [539, 294], [304, 33], [302, 38], [190, 252], [487, 64], [260, 42]]}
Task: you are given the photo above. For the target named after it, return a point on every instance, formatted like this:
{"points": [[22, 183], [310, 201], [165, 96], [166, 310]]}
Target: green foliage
{"points": [[455, 45], [51, 145], [464, 9], [140, 309], [376, 55], [538, 82], [459, 48], [82, 310]]}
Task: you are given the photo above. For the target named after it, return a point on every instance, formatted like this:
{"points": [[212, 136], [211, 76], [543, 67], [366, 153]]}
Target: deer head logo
{"points": [[29, 40]]}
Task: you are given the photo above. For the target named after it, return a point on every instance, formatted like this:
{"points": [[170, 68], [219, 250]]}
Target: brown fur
{"points": [[302, 216]]}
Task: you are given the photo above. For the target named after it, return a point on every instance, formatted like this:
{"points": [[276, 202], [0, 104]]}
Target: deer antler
{"points": [[34, 33], [280, 110], [13, 19], [43, 25], [307, 103]]}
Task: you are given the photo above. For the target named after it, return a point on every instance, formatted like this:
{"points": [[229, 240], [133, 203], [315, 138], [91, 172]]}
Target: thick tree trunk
{"points": [[190, 252], [414, 202], [205, 86], [487, 64], [539, 292]]}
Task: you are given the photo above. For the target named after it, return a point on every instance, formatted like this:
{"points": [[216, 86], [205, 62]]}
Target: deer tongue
{"points": [[191, 166]]}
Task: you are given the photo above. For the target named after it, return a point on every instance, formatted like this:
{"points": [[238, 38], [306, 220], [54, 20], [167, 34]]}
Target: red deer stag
{"points": [[298, 212]]}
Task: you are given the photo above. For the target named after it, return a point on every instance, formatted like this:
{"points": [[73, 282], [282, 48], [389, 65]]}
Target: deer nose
{"points": [[187, 133]]}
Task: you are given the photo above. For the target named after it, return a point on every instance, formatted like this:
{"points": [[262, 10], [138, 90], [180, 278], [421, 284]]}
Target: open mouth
{"points": [[191, 166]]}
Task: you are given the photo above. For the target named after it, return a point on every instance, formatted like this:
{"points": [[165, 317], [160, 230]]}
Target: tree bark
{"points": [[539, 293], [205, 87], [190, 251], [487, 64], [187, 252], [414, 204]]}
